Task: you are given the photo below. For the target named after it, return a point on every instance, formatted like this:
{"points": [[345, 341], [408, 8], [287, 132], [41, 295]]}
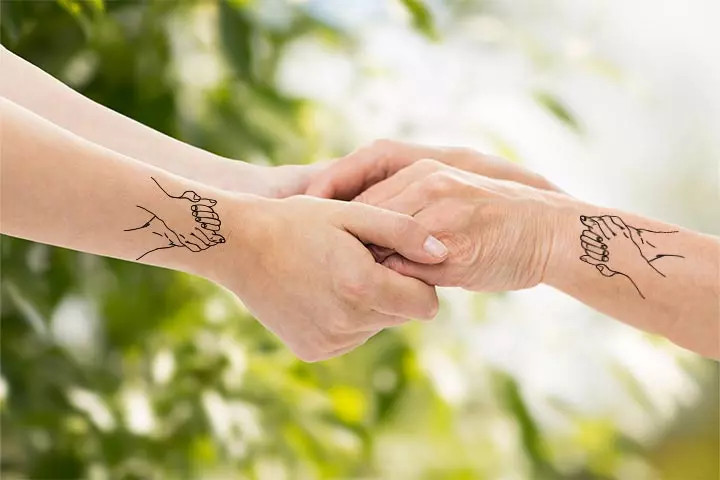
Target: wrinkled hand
{"points": [[351, 175], [498, 232], [314, 284]]}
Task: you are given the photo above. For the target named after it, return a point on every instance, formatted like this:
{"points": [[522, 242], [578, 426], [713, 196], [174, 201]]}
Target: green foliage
{"points": [[117, 370]]}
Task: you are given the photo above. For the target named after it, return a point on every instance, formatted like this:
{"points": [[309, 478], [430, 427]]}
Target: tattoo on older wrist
{"points": [[616, 248], [195, 226]]}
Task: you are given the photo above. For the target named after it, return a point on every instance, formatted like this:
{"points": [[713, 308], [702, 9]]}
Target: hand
{"points": [[356, 172], [197, 230], [615, 248], [498, 233], [309, 279]]}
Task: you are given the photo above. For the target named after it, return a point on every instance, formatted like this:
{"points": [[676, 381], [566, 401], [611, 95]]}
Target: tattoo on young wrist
{"points": [[196, 226], [616, 248]]}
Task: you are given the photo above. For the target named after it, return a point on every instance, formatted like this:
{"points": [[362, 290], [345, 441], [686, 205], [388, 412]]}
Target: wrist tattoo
{"points": [[196, 226], [616, 248]]}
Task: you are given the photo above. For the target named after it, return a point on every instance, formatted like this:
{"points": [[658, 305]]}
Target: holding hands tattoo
{"points": [[615, 248], [186, 220]]}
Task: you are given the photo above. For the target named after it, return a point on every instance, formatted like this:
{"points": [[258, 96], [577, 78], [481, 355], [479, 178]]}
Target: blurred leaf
{"points": [[558, 109], [422, 17]]}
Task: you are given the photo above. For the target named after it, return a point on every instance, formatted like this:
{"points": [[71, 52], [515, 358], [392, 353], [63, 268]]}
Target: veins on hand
{"points": [[193, 223], [616, 248]]}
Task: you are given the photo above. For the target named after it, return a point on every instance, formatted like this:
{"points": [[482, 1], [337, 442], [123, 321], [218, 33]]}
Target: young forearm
{"points": [[35, 90], [658, 277], [60, 189]]}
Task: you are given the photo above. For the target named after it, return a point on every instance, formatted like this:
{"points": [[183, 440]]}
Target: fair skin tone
{"points": [[299, 264], [35, 90], [503, 235]]}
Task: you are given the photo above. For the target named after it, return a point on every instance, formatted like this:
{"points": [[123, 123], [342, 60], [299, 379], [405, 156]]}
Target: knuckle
{"points": [[405, 227], [353, 288], [440, 183], [383, 144], [428, 164]]}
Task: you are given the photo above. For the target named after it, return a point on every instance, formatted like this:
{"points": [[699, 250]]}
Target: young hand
{"points": [[307, 276], [351, 175]]}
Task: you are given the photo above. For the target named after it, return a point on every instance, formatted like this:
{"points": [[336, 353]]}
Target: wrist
{"points": [[563, 214], [244, 218]]}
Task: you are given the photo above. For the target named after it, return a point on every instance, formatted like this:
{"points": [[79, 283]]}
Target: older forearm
{"points": [[30, 87], [60, 189], [658, 277]]}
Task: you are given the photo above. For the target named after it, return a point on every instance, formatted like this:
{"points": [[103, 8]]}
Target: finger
{"points": [[350, 175], [590, 260], [592, 235], [607, 220], [201, 208], [202, 243], [429, 274], [400, 296], [602, 227], [190, 244], [190, 195], [380, 253], [619, 223], [217, 238], [393, 230], [409, 201], [605, 270], [207, 221], [392, 186], [206, 202], [593, 249], [598, 257], [207, 215], [200, 233], [592, 239], [209, 226]]}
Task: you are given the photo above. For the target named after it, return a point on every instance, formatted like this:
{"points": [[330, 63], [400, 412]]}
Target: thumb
{"points": [[393, 230], [605, 270], [430, 274], [190, 195]]}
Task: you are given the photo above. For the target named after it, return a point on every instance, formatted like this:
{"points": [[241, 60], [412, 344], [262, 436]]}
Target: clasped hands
{"points": [[376, 231]]}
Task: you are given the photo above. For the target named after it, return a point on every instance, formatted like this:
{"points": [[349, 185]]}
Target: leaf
{"points": [[558, 109], [422, 17]]}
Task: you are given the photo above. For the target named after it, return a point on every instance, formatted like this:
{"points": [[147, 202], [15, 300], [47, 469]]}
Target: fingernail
{"points": [[605, 259], [604, 246], [435, 247]]}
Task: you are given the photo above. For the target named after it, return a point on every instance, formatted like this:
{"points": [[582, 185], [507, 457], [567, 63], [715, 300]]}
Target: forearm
{"points": [[35, 90], [666, 281], [60, 189]]}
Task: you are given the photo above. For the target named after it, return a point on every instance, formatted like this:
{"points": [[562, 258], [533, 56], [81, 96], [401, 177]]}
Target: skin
{"points": [[503, 235], [351, 175], [299, 264], [35, 90]]}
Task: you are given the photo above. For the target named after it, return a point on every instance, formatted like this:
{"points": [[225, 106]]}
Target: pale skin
{"points": [[37, 91], [299, 264], [505, 235]]}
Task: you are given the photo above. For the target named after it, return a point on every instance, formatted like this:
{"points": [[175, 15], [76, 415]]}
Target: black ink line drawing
{"points": [[615, 248], [198, 231]]}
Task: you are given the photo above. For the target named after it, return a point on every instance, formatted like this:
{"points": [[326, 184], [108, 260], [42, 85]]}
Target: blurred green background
{"points": [[112, 370]]}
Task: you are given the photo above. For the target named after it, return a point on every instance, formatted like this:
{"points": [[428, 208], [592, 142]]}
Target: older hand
{"points": [[499, 233], [351, 175], [309, 278]]}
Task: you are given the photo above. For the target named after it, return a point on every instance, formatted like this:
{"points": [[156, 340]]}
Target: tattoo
{"points": [[196, 226], [616, 248]]}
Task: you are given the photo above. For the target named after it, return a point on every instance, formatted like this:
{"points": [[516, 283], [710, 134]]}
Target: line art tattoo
{"points": [[616, 248], [195, 224]]}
